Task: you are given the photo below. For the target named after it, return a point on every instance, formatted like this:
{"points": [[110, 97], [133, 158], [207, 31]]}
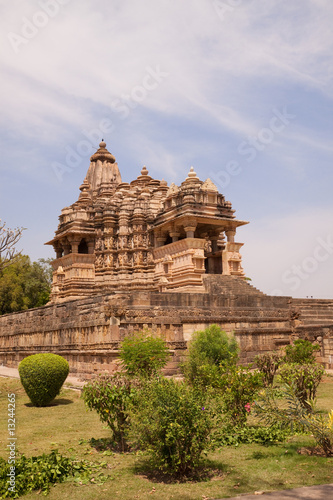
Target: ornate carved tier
{"points": [[142, 235]]}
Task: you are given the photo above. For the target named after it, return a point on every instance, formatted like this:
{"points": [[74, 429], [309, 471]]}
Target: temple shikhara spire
{"points": [[142, 235]]}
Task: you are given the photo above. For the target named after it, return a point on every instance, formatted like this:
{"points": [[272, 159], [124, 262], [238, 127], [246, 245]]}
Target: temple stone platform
{"points": [[88, 331]]}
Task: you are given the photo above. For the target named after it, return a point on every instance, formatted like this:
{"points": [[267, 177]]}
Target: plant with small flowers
{"points": [[240, 386]]}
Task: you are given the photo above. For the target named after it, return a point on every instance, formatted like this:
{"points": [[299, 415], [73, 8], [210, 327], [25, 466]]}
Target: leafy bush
{"points": [[268, 363], [296, 416], [301, 352], [143, 354], [240, 386], [39, 473], [247, 434], [209, 351], [171, 422], [110, 396], [304, 378], [42, 376]]}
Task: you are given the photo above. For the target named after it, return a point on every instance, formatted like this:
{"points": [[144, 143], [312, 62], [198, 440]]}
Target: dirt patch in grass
{"points": [[311, 450]]}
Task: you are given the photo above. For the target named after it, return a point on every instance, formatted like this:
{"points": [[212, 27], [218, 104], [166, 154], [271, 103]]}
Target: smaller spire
{"points": [[191, 175], [103, 154], [144, 170]]}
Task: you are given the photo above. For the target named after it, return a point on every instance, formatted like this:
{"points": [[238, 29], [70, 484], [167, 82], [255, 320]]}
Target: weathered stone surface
{"points": [[87, 331]]}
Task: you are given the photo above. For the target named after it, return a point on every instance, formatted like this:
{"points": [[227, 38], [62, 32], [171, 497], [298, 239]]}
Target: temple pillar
{"points": [[174, 235], [160, 239], [67, 248], [91, 246], [232, 259], [75, 242], [230, 233], [214, 240], [190, 225], [189, 230], [58, 250]]}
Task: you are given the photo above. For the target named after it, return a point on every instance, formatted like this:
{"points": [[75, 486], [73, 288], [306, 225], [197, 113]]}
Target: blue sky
{"points": [[241, 90]]}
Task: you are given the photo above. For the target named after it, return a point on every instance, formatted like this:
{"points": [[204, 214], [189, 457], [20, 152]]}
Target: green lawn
{"points": [[68, 427]]}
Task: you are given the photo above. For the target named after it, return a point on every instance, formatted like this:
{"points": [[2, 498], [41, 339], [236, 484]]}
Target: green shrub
{"points": [[143, 355], [294, 415], [42, 376], [39, 473], [110, 396], [301, 351], [209, 351], [230, 435], [268, 363], [305, 378], [171, 422], [240, 386]]}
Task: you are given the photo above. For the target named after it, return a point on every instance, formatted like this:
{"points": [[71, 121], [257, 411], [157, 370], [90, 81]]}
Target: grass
{"points": [[68, 426]]}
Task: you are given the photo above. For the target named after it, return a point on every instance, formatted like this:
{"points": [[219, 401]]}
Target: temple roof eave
{"points": [[201, 219], [71, 232]]}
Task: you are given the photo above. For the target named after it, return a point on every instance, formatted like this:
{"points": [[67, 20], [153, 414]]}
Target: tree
{"points": [[143, 354], [302, 351], [210, 352], [24, 285], [8, 240]]}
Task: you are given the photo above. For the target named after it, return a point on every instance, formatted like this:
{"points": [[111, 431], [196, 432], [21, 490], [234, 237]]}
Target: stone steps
{"points": [[315, 311], [230, 285]]}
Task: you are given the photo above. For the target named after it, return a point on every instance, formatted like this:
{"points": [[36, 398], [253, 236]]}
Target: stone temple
{"points": [[146, 255], [145, 235]]}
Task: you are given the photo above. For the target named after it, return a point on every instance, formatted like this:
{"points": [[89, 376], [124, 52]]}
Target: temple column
{"points": [[230, 233], [67, 248], [91, 246], [58, 250], [231, 257], [160, 240], [214, 240], [174, 235], [190, 227], [74, 243]]}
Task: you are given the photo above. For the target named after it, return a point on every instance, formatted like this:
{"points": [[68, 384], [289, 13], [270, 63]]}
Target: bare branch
{"points": [[8, 240]]}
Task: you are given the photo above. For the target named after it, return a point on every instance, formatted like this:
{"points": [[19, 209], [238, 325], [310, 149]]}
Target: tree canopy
{"points": [[8, 240], [24, 284]]}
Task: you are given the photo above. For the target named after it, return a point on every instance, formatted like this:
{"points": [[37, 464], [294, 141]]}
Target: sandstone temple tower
{"points": [[145, 255], [144, 235]]}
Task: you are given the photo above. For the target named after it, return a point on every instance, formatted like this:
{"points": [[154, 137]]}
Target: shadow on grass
{"points": [[209, 470], [103, 444], [56, 402]]}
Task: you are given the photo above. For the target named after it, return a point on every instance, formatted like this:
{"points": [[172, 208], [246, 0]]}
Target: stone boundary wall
{"points": [[87, 331]]}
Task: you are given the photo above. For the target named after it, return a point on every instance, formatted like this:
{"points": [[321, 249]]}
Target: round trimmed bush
{"points": [[42, 376]]}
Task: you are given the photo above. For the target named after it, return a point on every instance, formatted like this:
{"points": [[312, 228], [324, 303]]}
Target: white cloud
{"points": [[99, 51]]}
